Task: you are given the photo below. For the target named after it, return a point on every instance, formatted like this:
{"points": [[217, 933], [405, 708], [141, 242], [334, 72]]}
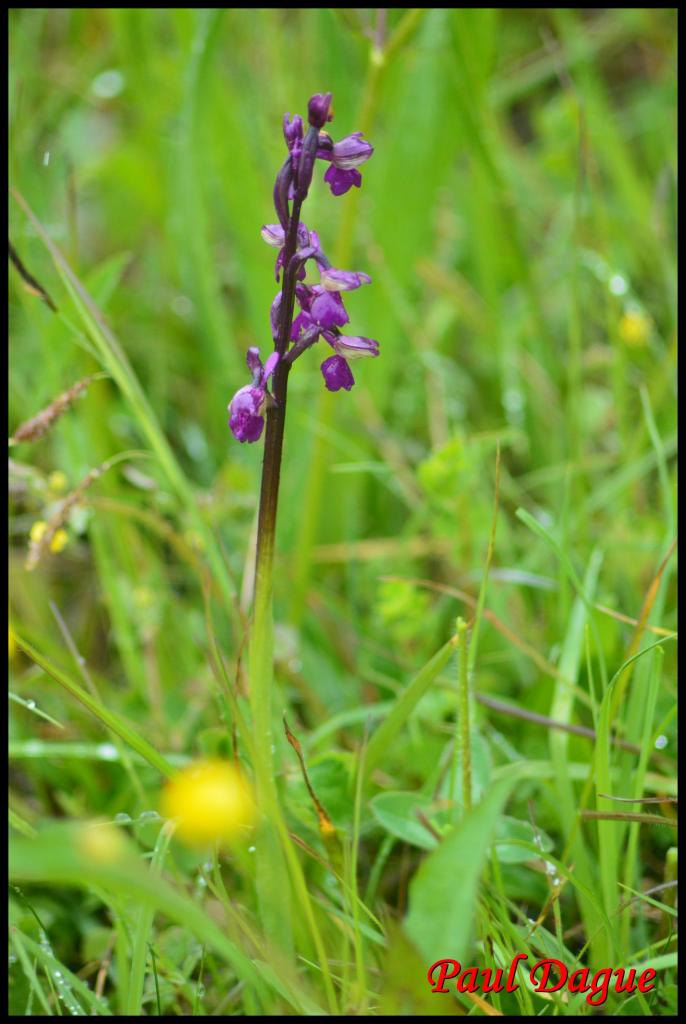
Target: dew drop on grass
{"points": [[148, 816], [107, 751], [108, 84], [661, 742], [123, 818], [31, 704]]}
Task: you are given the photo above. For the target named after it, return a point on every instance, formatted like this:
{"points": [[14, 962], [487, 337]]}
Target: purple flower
{"points": [[322, 311], [351, 152], [293, 131], [340, 181], [352, 347], [345, 157], [327, 309], [319, 109], [246, 409], [342, 280], [337, 374]]}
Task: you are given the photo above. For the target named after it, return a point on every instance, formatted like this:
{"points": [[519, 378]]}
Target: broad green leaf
{"points": [[443, 893]]}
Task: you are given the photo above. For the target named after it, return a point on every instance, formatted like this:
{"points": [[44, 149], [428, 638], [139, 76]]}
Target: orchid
{"points": [[322, 312]]}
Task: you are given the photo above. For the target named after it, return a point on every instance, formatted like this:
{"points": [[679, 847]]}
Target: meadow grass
{"points": [[474, 636]]}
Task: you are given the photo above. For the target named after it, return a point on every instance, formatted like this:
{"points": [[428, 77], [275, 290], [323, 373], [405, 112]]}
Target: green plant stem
{"points": [[463, 742]]}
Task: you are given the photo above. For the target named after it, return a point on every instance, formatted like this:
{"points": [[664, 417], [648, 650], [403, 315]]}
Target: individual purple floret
{"points": [[337, 374], [322, 311], [246, 408]]}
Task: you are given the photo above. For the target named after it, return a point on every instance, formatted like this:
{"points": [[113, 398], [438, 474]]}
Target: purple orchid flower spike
{"points": [[246, 408], [321, 311]]}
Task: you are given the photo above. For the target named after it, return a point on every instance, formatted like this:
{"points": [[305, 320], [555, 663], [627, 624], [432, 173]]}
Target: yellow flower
{"points": [[58, 542], [37, 531], [12, 645], [634, 328], [210, 800]]}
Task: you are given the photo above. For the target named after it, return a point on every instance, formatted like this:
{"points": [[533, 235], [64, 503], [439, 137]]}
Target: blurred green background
{"points": [[518, 221]]}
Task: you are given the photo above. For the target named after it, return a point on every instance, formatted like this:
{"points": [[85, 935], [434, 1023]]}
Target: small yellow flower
{"points": [[57, 482], [37, 531], [210, 800], [58, 542], [634, 328], [12, 645]]}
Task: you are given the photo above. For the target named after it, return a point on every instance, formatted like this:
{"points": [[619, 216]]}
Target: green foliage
{"points": [[518, 220]]}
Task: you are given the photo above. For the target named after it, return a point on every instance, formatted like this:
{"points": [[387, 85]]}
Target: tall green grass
{"points": [[509, 460]]}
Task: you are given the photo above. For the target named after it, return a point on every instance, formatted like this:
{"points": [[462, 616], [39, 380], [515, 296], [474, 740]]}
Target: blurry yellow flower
{"points": [[37, 531], [210, 800], [103, 843], [634, 329], [57, 481], [12, 645], [58, 542]]}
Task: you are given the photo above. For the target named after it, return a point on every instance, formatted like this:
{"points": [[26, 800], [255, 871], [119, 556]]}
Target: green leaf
{"points": [[443, 892], [397, 813]]}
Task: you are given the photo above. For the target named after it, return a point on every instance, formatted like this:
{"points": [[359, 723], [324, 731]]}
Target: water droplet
{"points": [[108, 752], [108, 84], [46, 158], [661, 742], [208, 866], [31, 704], [123, 818], [11, 959], [181, 305], [618, 285], [251, 849], [148, 816]]}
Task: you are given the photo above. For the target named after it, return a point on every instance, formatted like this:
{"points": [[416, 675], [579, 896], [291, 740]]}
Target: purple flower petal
{"points": [[340, 181], [351, 152], [282, 187], [303, 325], [319, 109], [355, 348], [273, 234], [292, 130], [270, 366], [327, 309], [252, 358], [337, 374], [274, 313], [343, 280], [245, 414]]}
